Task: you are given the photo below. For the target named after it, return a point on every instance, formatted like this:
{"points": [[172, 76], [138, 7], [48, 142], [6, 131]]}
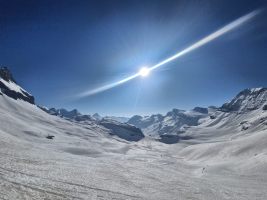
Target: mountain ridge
{"points": [[9, 87]]}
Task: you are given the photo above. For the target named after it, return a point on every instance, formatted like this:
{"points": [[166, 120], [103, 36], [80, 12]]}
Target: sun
{"points": [[144, 71]]}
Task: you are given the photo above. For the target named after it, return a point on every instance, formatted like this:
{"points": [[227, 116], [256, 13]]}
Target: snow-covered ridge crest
{"points": [[9, 87], [247, 100], [174, 122], [178, 122]]}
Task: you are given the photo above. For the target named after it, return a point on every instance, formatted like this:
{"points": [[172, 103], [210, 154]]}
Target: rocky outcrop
{"points": [[9, 87], [123, 130], [247, 100]]}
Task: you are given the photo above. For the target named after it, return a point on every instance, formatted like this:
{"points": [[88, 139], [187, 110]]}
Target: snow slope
{"points": [[225, 157], [84, 162]]}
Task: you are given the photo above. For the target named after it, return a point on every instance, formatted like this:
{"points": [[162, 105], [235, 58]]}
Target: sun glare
{"points": [[144, 71]]}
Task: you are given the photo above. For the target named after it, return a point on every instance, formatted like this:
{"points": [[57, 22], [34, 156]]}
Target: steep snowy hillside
{"points": [[247, 100], [18, 102]]}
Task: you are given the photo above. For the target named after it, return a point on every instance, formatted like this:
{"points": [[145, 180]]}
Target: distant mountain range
{"points": [[75, 114], [169, 128], [177, 121]]}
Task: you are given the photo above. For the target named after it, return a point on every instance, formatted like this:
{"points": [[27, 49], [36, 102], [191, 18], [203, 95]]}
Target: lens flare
{"points": [[145, 71]]}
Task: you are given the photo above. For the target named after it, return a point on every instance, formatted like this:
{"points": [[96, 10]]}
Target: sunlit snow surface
{"points": [[85, 162], [13, 86]]}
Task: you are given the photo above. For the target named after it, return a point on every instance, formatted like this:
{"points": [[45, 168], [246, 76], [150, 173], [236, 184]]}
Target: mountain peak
{"points": [[6, 74], [97, 116], [246, 100], [10, 88]]}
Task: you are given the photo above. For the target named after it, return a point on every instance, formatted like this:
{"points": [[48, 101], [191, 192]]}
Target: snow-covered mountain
{"points": [[96, 116], [249, 104], [211, 153], [62, 112], [173, 123], [13, 96], [9, 87], [247, 100], [113, 118], [76, 115], [119, 119]]}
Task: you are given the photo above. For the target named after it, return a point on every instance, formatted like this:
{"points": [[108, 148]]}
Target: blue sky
{"points": [[57, 49]]}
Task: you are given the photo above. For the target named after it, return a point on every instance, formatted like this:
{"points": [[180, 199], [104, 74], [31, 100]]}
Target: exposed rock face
{"points": [[6, 74], [123, 130], [69, 114], [9, 87], [247, 100], [62, 112], [82, 118], [201, 110]]}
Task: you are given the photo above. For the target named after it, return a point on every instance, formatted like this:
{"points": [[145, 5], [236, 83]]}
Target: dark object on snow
{"points": [[173, 139], [264, 107], [50, 137], [212, 117], [244, 128]]}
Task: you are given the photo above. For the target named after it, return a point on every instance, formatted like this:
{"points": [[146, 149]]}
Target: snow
{"points": [[84, 161], [256, 89], [247, 100], [13, 86], [173, 123]]}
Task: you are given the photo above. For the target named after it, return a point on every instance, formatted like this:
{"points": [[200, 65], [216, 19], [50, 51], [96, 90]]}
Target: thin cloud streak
{"points": [[225, 29]]}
